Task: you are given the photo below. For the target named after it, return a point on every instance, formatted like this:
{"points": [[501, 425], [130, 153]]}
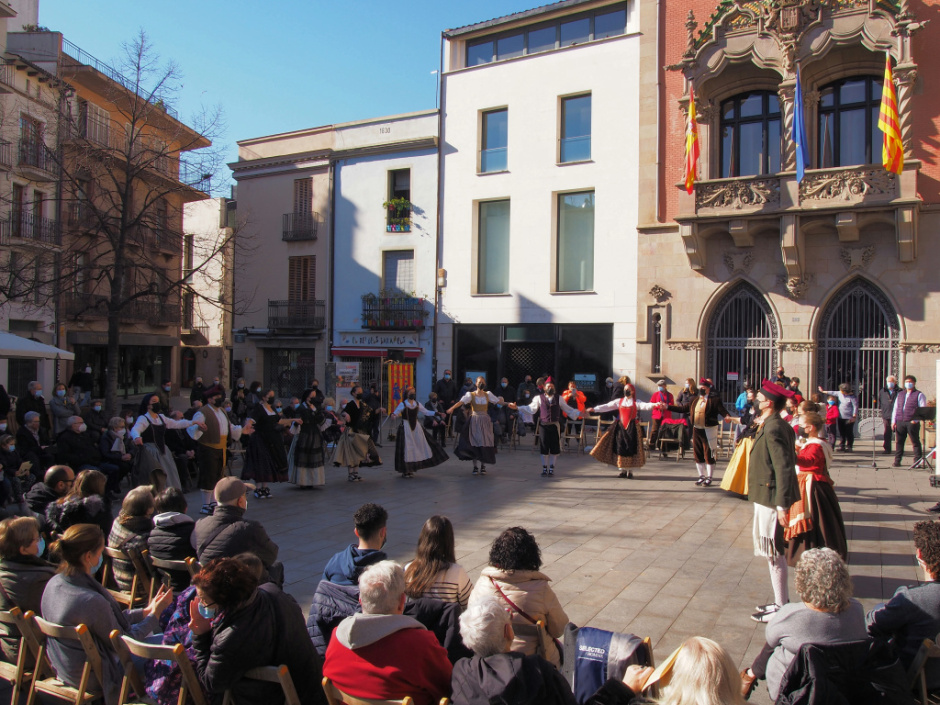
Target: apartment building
{"points": [[540, 194], [831, 277]]}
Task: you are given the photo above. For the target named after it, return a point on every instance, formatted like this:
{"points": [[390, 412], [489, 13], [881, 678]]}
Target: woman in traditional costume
{"points": [[355, 447], [307, 454], [265, 457], [735, 477], [155, 465], [476, 440], [414, 446], [621, 445]]}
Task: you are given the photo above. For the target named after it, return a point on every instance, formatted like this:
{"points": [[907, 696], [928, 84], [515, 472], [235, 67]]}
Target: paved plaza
{"points": [[655, 555]]}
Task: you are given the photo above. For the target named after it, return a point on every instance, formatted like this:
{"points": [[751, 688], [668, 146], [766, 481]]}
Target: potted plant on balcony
{"points": [[399, 215]]}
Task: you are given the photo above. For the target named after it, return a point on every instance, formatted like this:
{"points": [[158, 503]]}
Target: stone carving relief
{"points": [[857, 257], [658, 293], [684, 345], [849, 185], [932, 348], [739, 261], [798, 347], [797, 286], [738, 194]]}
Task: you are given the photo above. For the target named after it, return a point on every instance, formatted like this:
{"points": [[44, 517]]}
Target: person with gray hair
{"points": [[33, 442], [33, 401], [381, 653], [828, 614]]}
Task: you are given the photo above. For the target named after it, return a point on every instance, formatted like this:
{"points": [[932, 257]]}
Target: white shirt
{"points": [[411, 405], [615, 405], [225, 428], [143, 422], [536, 404]]}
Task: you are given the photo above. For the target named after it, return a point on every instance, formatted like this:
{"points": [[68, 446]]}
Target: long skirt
{"points": [[416, 449], [620, 447], [735, 477], [828, 526], [306, 458], [156, 468], [476, 440], [260, 464], [356, 449]]}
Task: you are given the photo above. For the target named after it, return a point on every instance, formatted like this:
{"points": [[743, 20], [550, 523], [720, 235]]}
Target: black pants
{"points": [[211, 462], [846, 433], [905, 429], [759, 667], [700, 448], [438, 432]]}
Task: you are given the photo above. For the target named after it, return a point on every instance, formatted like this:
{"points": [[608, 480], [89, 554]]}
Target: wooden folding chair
{"points": [[160, 575], [335, 696], [140, 584], [532, 631], [19, 673], [572, 431], [124, 647], [51, 684], [271, 674], [918, 678]]}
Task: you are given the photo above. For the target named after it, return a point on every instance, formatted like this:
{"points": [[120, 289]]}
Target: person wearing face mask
{"points": [[80, 384], [155, 465], [437, 422], [660, 396], [265, 456], [316, 394], [905, 422], [706, 413], [336, 427], [355, 448], [307, 454], [886, 398], [62, 407], [848, 414], [197, 391], [75, 597], [621, 445], [17, 475], [96, 419], [446, 390], [75, 448], [476, 437], [414, 447], [115, 447], [212, 442], [33, 400], [239, 400], [549, 406], [164, 393]]}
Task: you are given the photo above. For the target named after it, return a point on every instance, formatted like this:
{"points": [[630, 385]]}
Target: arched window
{"points": [[858, 341], [750, 134], [848, 122], [742, 341]]}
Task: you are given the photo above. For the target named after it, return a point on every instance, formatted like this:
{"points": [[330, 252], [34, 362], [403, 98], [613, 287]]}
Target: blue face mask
{"points": [[12, 447], [890, 385], [207, 612], [60, 393], [662, 389], [96, 408], [908, 385], [42, 546], [446, 376], [832, 402], [297, 405], [329, 408], [98, 564]]}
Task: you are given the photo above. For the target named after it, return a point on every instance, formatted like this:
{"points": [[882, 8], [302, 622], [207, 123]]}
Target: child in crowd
{"points": [[832, 419]]}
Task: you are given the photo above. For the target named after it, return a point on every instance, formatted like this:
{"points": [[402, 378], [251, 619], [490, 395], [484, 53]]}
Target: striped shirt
{"points": [[451, 585]]}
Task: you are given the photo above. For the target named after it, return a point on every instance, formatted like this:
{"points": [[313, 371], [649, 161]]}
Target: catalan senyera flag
{"points": [[892, 149], [400, 377], [691, 145]]}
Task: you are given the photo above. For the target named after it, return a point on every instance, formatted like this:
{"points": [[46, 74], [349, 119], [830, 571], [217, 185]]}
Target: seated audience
{"points": [[97, 421], [115, 447], [513, 579], [76, 448], [226, 532], [345, 567], [17, 472], [383, 654], [229, 605], [33, 443], [913, 614], [74, 597], [828, 614], [172, 535], [56, 483], [130, 532], [23, 575], [332, 432], [434, 572], [85, 503]]}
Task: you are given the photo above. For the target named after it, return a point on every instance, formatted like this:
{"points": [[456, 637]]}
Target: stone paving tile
{"points": [[654, 555]]}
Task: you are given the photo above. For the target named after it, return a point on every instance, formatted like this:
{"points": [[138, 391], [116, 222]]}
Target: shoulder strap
{"points": [[212, 537], [512, 604]]}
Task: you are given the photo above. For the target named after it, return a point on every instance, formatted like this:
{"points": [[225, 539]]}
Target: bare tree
{"points": [[125, 169]]}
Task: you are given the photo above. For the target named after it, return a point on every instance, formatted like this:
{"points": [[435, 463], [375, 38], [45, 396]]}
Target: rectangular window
{"points": [[97, 122], [493, 149], [189, 310], [493, 249], [480, 53], [542, 39], [576, 32], [575, 129], [303, 196], [576, 242], [398, 213], [510, 47], [189, 253], [18, 207], [610, 24], [398, 271], [301, 278]]}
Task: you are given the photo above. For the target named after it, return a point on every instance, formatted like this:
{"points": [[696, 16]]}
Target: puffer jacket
{"points": [[332, 603], [530, 592], [233, 534], [172, 540], [23, 579], [94, 509]]}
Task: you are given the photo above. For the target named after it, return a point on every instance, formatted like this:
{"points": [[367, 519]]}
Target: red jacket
{"points": [[658, 397], [575, 397], [406, 662]]}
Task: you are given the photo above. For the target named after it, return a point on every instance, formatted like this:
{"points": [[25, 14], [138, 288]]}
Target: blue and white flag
{"points": [[799, 130]]}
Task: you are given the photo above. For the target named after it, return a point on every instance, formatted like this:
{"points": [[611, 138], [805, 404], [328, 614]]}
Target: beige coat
{"points": [[529, 591]]}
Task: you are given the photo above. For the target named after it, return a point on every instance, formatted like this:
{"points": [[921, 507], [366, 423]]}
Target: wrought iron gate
{"points": [[859, 337], [742, 339], [528, 359]]}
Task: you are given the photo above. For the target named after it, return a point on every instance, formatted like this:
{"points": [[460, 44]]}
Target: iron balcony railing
{"points": [[297, 314], [8, 75], [391, 311], [300, 226], [35, 154], [28, 226], [155, 313]]}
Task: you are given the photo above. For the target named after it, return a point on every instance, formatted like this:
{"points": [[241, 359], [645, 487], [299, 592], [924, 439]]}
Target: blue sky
{"points": [[280, 65]]}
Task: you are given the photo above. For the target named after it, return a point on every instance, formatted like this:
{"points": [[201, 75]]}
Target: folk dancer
{"points": [[706, 412], [621, 444], [414, 446], [549, 406], [476, 441], [155, 464]]}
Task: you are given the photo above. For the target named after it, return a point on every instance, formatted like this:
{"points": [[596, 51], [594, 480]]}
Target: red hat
{"points": [[774, 390], [705, 382]]}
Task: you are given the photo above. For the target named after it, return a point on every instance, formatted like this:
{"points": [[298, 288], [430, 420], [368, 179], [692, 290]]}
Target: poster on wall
{"points": [[347, 376], [400, 377]]}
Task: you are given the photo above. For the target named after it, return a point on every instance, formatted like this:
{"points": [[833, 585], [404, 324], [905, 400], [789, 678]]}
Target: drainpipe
{"points": [[332, 267], [440, 211]]}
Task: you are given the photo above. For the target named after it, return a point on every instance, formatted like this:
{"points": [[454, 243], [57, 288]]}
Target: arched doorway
{"points": [[742, 340], [858, 338]]}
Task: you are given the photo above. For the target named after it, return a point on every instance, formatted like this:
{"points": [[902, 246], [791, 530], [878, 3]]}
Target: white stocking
{"points": [[709, 469], [778, 577], [701, 469]]}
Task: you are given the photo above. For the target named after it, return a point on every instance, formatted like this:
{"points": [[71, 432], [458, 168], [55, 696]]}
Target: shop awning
{"points": [[410, 353], [13, 346]]}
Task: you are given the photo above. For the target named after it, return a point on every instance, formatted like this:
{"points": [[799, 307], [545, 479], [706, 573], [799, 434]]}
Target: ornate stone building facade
{"points": [[832, 277]]}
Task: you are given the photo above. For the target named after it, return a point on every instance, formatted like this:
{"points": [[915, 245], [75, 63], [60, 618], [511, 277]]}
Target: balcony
{"points": [[6, 154], [26, 226], [35, 160], [78, 305], [154, 313], [195, 335], [166, 241], [398, 215], [296, 315], [300, 226], [393, 311]]}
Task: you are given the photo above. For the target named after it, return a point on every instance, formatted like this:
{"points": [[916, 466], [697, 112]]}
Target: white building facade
{"points": [[539, 178]]}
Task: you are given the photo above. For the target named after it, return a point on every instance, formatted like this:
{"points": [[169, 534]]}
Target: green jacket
{"points": [[771, 467]]}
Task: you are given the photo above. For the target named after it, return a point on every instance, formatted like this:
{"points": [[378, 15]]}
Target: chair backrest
{"points": [[530, 631], [125, 647], [43, 631], [335, 696], [17, 673], [161, 568], [271, 674], [916, 674], [140, 583]]}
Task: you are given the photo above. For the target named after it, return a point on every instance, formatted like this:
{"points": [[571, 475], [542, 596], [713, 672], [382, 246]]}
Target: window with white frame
{"points": [[493, 248], [575, 251]]}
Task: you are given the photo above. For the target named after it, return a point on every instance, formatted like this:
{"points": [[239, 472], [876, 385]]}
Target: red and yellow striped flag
{"points": [[892, 149], [691, 145]]}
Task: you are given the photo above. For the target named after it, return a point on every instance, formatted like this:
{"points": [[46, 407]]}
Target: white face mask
{"points": [[121, 432], [83, 428]]}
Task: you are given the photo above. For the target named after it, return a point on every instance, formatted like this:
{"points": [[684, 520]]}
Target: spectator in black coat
{"points": [[446, 390], [318, 397], [16, 478], [85, 503], [33, 444], [97, 420], [4, 404], [115, 447], [33, 401], [172, 535], [56, 483], [197, 391], [75, 448], [332, 603]]}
